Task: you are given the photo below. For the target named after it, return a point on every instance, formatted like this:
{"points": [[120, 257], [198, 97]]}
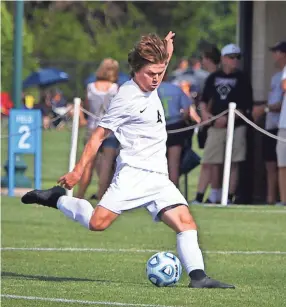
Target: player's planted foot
{"points": [[47, 198], [208, 282]]}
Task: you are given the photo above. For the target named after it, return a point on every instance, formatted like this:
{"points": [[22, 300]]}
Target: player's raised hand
{"points": [[170, 46], [69, 180]]}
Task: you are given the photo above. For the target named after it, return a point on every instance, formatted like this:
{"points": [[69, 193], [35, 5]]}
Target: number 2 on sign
{"points": [[26, 133]]}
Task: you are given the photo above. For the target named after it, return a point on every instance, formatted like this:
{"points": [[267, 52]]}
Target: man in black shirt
{"points": [[222, 87]]}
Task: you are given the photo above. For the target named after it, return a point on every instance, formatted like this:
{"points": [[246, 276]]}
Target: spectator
{"points": [[281, 146], [199, 73], [177, 108], [45, 107], [29, 101], [226, 85], [6, 103], [99, 95], [62, 109], [272, 110], [210, 61], [182, 66]]}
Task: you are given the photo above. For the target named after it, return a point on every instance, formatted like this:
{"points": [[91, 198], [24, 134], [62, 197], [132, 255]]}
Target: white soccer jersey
{"points": [[138, 122]]}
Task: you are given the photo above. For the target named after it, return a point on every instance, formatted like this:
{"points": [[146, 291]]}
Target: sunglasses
{"points": [[234, 56]]}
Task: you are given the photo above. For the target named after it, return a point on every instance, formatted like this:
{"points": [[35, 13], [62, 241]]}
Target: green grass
{"points": [[119, 276]]}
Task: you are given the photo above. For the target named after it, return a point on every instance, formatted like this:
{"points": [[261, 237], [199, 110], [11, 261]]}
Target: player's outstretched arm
{"points": [[170, 48], [70, 179], [170, 44]]}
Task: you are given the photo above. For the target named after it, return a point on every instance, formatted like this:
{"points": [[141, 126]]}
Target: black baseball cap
{"points": [[280, 46]]}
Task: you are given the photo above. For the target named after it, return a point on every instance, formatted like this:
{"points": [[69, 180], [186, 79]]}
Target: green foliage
{"points": [[196, 22], [7, 41], [75, 37], [60, 36], [115, 39]]}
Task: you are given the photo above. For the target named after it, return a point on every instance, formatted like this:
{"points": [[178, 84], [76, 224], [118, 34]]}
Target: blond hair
{"points": [[108, 70]]}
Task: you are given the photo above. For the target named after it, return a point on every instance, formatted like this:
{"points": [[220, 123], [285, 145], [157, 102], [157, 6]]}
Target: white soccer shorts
{"points": [[133, 188]]}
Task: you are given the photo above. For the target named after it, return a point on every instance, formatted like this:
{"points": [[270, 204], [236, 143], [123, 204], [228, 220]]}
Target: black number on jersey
{"points": [[159, 120]]}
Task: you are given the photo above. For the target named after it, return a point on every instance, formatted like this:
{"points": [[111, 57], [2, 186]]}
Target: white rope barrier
{"points": [[201, 124], [249, 122], [175, 130], [89, 113]]}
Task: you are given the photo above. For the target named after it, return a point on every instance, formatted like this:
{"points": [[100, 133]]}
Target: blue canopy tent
{"points": [[45, 77]]}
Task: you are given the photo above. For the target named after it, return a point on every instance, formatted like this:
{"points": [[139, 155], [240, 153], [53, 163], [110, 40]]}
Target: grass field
{"points": [[48, 260]]}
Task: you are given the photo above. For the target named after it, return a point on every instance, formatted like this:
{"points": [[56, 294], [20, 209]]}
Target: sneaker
{"points": [[208, 282], [48, 198]]}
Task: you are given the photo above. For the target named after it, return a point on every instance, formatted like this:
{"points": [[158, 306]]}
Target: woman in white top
{"points": [[99, 95]]}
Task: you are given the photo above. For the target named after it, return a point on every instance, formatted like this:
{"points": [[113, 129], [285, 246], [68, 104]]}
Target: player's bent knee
{"points": [[188, 223], [101, 219], [179, 218]]}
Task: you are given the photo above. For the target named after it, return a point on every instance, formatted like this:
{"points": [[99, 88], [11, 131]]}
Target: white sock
{"points": [[213, 195], [189, 251], [79, 210], [219, 193]]}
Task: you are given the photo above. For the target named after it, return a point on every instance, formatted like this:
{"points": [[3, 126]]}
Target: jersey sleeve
{"points": [[117, 114]]}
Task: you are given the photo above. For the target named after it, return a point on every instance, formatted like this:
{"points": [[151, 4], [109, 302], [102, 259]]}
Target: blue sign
{"points": [[25, 137]]}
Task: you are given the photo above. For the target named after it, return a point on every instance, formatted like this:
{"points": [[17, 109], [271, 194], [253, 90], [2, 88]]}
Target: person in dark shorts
{"points": [[177, 108], [272, 110]]}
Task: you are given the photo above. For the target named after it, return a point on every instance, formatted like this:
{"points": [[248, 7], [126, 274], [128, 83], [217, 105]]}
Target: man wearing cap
{"points": [[226, 85], [272, 110]]}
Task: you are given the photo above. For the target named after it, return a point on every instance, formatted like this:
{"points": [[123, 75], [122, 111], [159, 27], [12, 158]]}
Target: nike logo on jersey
{"points": [[141, 111]]}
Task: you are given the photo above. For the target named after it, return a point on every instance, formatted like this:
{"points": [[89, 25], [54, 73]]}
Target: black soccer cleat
{"points": [[208, 282], [47, 198]]}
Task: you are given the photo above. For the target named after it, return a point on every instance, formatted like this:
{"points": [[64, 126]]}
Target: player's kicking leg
{"points": [[181, 221], [79, 210]]}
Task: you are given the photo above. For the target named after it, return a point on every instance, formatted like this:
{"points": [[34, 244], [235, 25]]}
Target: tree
{"points": [[193, 22], [7, 40]]}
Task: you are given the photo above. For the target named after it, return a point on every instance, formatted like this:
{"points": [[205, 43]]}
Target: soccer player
{"points": [[136, 117]]}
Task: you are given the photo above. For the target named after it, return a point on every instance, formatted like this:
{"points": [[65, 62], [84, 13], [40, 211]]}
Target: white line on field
{"points": [[122, 250], [241, 209], [63, 300]]}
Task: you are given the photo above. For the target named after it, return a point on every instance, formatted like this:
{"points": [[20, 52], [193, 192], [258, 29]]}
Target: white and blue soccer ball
{"points": [[164, 269]]}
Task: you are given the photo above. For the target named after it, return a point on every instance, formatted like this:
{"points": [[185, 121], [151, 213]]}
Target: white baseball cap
{"points": [[230, 49]]}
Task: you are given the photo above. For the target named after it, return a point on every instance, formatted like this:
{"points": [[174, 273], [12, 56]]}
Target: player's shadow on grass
{"points": [[61, 279]]}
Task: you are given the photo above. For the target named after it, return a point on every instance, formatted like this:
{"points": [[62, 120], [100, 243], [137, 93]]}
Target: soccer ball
{"points": [[164, 269]]}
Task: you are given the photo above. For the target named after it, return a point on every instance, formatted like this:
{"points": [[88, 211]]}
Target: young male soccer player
{"points": [[136, 117]]}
